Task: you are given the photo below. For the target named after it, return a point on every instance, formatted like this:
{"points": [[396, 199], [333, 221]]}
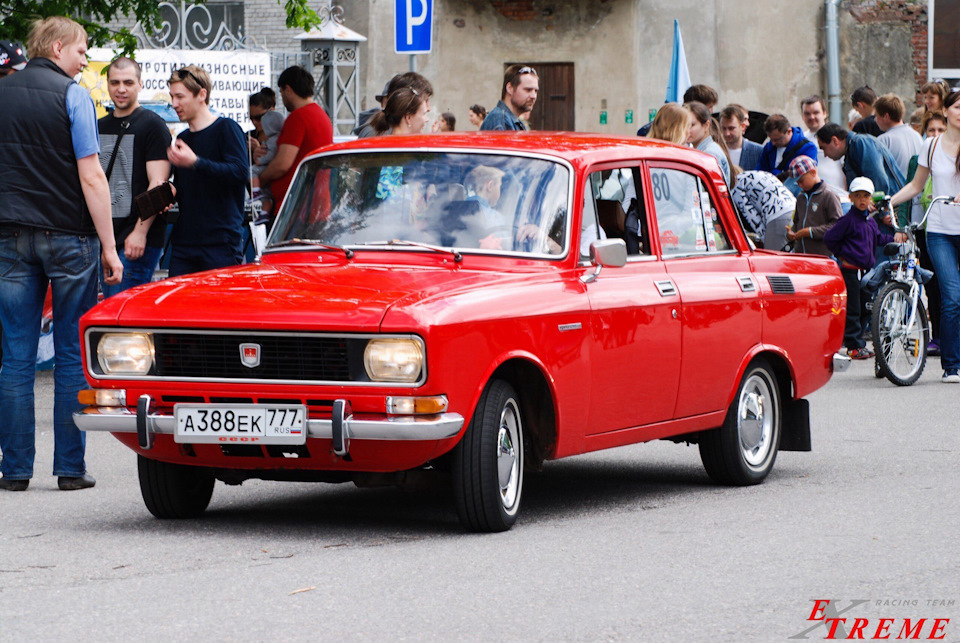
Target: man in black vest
{"points": [[54, 222]]}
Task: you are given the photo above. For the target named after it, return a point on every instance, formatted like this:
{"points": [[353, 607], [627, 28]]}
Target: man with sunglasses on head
{"points": [[210, 173], [518, 96]]}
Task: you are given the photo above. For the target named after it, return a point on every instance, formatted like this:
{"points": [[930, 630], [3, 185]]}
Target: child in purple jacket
{"points": [[853, 240]]}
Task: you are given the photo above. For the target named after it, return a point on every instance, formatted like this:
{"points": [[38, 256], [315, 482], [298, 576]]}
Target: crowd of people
{"points": [[79, 195], [808, 190]]}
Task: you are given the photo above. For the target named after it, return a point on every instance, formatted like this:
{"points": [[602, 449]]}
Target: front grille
{"points": [[282, 357]]}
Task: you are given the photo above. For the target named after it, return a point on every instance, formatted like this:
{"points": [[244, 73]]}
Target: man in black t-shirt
{"points": [[133, 152]]}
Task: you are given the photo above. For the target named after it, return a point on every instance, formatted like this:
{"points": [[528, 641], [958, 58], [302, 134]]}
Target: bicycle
{"points": [[900, 324]]}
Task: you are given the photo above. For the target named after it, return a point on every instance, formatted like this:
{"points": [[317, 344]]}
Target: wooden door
{"points": [[554, 110]]}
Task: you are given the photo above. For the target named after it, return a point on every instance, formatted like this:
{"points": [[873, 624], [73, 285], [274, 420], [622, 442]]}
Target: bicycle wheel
{"points": [[901, 347]]}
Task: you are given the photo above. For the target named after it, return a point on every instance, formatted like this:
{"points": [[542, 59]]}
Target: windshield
{"points": [[469, 201]]}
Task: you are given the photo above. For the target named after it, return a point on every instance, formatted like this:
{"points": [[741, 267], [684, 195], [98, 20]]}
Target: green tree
{"points": [[17, 15]]}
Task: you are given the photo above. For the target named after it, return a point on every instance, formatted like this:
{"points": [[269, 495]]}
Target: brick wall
{"points": [[265, 24], [516, 9], [913, 12]]}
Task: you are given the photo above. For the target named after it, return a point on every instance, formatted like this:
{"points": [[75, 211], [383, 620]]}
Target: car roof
{"points": [[575, 147]]}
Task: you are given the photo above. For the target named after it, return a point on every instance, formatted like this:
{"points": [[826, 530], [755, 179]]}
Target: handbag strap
{"points": [[933, 146], [124, 126]]}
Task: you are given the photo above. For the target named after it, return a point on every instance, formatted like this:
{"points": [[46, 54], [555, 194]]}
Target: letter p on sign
{"points": [[413, 26]]}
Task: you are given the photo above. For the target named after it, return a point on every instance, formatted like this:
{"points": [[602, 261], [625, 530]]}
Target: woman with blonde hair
{"points": [[671, 124]]}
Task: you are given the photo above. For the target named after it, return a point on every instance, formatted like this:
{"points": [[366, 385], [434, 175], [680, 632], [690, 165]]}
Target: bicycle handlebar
{"points": [[885, 204]]}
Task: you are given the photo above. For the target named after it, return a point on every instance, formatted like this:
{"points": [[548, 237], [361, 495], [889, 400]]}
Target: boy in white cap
{"points": [[853, 241]]}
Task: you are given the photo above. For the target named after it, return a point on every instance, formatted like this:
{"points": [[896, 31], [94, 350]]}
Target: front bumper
{"points": [[341, 428]]}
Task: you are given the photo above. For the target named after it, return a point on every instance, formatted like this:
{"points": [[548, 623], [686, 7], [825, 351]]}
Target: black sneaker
{"points": [[951, 377]]}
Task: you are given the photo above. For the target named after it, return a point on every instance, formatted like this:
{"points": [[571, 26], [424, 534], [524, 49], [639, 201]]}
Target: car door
{"points": [[720, 309], [635, 350]]}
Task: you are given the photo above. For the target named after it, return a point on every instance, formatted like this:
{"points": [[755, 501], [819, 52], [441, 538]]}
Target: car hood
{"points": [[344, 296]]}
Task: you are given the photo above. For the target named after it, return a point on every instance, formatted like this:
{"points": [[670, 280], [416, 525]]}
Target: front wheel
{"points": [[173, 490], [899, 341], [488, 462], [743, 450]]}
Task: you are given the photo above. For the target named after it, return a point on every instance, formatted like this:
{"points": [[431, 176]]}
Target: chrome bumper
{"points": [[840, 363], [350, 427]]}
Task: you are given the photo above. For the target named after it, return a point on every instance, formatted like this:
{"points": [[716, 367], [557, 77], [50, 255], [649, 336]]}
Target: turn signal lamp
{"points": [[102, 397], [417, 405]]}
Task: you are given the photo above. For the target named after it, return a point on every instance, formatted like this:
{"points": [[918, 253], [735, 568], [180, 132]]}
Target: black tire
{"points": [[488, 463], [901, 355], [743, 450], [173, 490]]}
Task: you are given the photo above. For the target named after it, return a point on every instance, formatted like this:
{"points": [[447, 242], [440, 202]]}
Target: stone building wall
{"points": [[766, 56]]}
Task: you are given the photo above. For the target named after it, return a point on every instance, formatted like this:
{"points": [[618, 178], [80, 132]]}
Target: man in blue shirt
{"points": [[210, 169], [518, 96], [862, 155], [54, 221]]}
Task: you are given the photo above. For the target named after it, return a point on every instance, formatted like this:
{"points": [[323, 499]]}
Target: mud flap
{"points": [[796, 426]]}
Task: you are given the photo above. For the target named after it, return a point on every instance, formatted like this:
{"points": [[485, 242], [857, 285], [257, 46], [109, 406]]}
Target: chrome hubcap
{"points": [[509, 456], [755, 420]]}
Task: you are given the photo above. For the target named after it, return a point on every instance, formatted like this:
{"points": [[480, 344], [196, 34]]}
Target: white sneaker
{"points": [[951, 377]]}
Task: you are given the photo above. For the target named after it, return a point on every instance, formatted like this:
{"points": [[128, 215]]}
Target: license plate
{"points": [[241, 424]]}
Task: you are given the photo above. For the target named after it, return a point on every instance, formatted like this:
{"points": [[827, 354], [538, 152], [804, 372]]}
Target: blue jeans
{"points": [[29, 259], [136, 272], [945, 256], [186, 260]]}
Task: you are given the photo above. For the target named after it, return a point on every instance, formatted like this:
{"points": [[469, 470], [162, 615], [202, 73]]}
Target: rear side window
{"points": [[687, 220]]}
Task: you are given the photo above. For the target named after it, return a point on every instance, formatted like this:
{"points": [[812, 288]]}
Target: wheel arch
{"points": [[779, 363], [537, 404], [795, 413]]}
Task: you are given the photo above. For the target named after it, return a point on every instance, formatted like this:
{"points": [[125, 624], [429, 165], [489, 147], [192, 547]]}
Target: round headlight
{"points": [[126, 353], [393, 360]]}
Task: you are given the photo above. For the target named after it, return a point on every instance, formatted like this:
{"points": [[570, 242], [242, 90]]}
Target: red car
{"points": [[475, 303]]}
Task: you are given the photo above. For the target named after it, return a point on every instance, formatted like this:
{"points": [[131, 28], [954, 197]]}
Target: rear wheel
{"points": [[901, 345], [743, 450], [173, 490], [488, 462]]}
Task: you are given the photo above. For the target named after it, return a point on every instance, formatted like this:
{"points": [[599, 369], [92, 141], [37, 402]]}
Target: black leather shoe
{"points": [[72, 484], [14, 485]]}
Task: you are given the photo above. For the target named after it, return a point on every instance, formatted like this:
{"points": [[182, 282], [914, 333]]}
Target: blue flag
{"points": [[679, 80]]}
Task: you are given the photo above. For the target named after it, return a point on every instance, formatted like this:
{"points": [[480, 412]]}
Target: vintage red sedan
{"points": [[475, 303]]}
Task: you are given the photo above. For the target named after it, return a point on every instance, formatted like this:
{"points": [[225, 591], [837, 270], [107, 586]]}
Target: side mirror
{"points": [[606, 253], [611, 253]]}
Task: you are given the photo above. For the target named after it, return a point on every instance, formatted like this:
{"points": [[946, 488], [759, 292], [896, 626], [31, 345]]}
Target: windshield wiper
{"points": [[347, 252], [457, 257]]}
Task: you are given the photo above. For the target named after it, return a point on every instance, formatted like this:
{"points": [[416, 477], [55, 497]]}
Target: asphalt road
{"points": [[629, 544]]}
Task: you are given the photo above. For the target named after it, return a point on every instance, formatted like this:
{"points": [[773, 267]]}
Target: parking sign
{"points": [[413, 32]]}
